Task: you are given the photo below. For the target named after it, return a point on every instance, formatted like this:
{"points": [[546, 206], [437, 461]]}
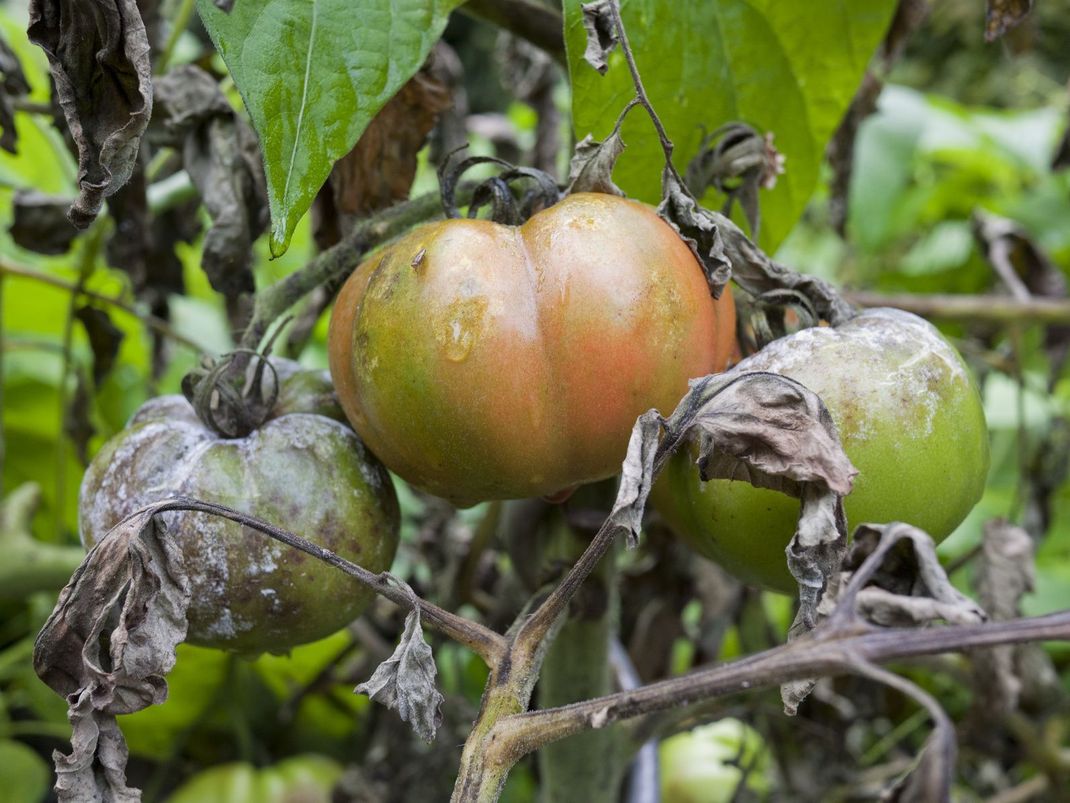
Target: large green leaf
{"points": [[790, 68], [313, 73]]}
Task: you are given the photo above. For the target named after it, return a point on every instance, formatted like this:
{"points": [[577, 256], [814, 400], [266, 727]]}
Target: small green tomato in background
{"points": [[303, 469], [705, 765], [909, 417], [300, 779]]}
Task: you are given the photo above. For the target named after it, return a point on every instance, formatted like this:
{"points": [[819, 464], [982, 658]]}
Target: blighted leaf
{"points": [[636, 476], [698, 65], [13, 84], [699, 229], [731, 252], [894, 578], [1002, 15], [130, 244], [1009, 676], [313, 75], [1026, 271], [107, 647], [220, 154], [98, 52], [762, 428], [738, 162], [406, 681], [40, 222], [891, 578], [601, 34], [105, 338], [77, 424], [591, 167]]}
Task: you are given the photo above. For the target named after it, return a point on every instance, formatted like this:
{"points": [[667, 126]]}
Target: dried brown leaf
{"points": [[765, 429], [700, 229], [591, 168], [222, 157], [105, 338], [40, 222], [406, 680], [888, 569], [107, 647], [13, 84], [98, 51], [601, 33]]}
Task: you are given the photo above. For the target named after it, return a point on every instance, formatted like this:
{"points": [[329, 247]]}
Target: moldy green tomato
{"points": [[482, 361], [909, 418], [303, 469]]}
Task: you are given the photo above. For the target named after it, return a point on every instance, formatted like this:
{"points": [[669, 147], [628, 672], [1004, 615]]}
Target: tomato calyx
{"points": [[507, 205], [228, 400]]}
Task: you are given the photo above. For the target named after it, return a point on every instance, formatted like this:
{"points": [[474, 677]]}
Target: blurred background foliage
{"points": [[960, 126]]}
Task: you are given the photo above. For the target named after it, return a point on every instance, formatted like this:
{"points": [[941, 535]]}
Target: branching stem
{"points": [[483, 641]]}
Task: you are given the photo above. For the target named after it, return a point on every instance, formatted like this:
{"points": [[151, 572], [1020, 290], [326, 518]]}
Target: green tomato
{"points": [[302, 469], [705, 764], [909, 417], [308, 779]]}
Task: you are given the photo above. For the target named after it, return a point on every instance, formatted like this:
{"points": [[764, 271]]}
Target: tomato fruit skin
{"points": [[909, 417], [482, 361], [302, 470]]}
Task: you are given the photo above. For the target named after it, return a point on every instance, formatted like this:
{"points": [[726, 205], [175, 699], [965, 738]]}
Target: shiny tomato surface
{"points": [[483, 361]]}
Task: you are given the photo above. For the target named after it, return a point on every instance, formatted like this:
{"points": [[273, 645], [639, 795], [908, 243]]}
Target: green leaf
{"points": [[786, 68], [24, 774], [313, 74]]}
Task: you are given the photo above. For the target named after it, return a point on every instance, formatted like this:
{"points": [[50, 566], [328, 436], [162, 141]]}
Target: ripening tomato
{"points": [[909, 418], [482, 361], [303, 469]]}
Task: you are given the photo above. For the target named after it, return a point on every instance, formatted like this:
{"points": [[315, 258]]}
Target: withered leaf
{"points": [[636, 477], [40, 222], [13, 84], [698, 228], [77, 424], [1002, 15], [107, 647], [732, 254], [1003, 675], [737, 161], [221, 155], [591, 167], [105, 338], [601, 33], [764, 429], [1026, 271], [894, 578], [406, 681], [98, 52]]}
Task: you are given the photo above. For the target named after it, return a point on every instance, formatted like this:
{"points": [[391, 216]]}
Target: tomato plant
{"points": [[301, 466], [482, 361], [911, 421]]}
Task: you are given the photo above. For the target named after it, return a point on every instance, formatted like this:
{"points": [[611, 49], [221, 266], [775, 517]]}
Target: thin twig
{"points": [[980, 308]]}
